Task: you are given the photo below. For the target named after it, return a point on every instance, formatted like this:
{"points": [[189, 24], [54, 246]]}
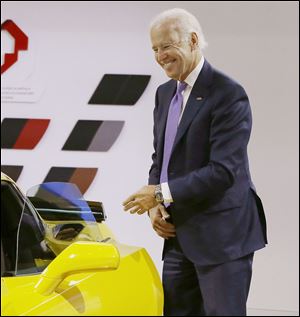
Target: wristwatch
{"points": [[158, 194]]}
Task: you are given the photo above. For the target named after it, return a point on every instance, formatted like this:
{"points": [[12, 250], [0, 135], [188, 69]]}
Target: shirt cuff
{"points": [[166, 193]]}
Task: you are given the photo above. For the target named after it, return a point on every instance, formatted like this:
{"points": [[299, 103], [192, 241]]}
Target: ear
{"points": [[194, 41]]}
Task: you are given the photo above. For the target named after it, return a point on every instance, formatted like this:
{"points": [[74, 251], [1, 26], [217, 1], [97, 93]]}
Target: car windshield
{"points": [[36, 228]]}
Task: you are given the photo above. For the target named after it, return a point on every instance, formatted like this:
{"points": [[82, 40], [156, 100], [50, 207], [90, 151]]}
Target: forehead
{"points": [[164, 32]]}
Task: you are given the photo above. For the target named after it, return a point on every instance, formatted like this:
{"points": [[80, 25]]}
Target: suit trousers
{"points": [[211, 290]]}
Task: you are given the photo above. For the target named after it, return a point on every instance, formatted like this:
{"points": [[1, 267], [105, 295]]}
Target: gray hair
{"points": [[188, 23]]}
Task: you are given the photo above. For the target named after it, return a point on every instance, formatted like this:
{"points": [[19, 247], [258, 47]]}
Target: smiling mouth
{"points": [[166, 65]]}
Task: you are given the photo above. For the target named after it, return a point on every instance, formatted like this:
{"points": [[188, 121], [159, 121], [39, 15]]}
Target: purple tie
{"points": [[171, 129]]}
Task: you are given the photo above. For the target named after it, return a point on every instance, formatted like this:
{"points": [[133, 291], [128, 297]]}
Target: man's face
{"points": [[173, 52]]}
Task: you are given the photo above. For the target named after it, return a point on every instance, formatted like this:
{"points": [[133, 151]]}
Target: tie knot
{"points": [[182, 85]]}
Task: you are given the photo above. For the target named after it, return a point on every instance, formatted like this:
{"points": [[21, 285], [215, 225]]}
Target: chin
{"points": [[172, 76]]}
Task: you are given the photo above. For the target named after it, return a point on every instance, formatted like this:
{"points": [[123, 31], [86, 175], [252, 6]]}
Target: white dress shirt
{"points": [[190, 80]]}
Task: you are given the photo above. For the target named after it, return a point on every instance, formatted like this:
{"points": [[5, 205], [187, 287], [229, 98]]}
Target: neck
{"points": [[197, 60]]}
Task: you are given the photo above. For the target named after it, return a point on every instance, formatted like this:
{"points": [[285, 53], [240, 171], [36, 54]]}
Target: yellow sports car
{"points": [[58, 257]]}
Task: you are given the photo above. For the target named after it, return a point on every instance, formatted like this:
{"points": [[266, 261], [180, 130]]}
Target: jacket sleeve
{"points": [[230, 129], [154, 172]]}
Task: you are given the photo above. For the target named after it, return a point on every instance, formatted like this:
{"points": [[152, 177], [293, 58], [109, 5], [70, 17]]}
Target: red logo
{"points": [[21, 43]]}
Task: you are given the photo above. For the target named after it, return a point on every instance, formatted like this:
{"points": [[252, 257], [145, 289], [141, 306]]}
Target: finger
{"points": [[164, 212], [160, 233], [134, 209], [141, 211], [164, 226], [156, 221], [171, 231], [164, 234], [130, 198], [131, 204], [166, 229], [164, 223], [167, 225]]}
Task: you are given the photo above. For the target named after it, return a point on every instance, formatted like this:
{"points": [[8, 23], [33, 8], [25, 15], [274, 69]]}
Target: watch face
{"points": [[158, 194], [159, 197]]}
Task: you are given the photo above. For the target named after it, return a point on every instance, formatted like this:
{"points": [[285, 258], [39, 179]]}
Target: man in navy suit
{"points": [[200, 196]]}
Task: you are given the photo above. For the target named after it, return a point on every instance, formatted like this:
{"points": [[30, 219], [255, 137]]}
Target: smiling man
{"points": [[200, 196]]}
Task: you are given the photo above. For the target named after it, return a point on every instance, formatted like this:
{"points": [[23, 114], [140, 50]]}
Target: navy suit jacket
{"points": [[216, 211]]}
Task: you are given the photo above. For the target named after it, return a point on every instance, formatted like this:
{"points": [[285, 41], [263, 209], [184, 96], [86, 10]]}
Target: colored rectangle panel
{"points": [[88, 135], [81, 176], [82, 135], [59, 174], [106, 135], [31, 134], [119, 89], [13, 171], [10, 131], [22, 133]]}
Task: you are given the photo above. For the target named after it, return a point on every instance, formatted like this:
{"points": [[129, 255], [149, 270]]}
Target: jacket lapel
{"points": [[167, 97], [195, 102]]}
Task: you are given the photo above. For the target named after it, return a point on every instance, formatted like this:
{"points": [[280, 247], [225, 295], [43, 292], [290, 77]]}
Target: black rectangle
{"points": [[59, 174], [82, 135], [119, 89]]}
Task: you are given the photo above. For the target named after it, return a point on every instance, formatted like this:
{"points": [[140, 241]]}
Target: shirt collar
{"points": [[192, 77]]}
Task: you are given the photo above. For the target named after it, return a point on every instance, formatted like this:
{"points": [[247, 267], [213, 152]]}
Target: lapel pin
{"points": [[199, 98]]}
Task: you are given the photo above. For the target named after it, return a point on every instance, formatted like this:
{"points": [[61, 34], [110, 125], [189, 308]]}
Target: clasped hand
{"points": [[159, 219]]}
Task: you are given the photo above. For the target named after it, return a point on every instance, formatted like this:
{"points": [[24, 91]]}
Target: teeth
{"points": [[166, 64]]}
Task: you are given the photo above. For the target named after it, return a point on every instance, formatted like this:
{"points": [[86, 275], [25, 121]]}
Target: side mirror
{"points": [[79, 257]]}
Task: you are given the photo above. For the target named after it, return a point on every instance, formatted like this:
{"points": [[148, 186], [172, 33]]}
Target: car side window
{"points": [[21, 235]]}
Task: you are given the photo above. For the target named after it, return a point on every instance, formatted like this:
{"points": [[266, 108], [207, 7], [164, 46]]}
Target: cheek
{"points": [[185, 62], [156, 58]]}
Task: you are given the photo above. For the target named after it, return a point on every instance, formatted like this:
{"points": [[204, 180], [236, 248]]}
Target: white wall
{"points": [[75, 43]]}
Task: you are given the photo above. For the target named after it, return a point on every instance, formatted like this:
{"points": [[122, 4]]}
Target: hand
{"points": [[141, 201], [158, 216]]}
